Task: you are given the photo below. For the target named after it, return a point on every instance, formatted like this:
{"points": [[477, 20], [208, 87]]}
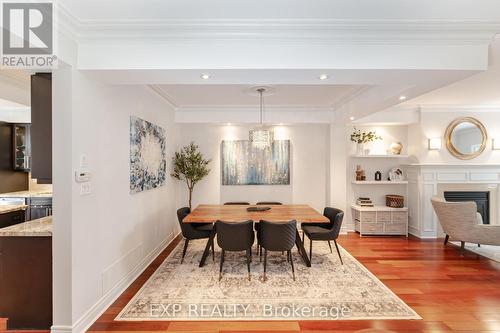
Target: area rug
{"points": [[325, 291], [488, 251]]}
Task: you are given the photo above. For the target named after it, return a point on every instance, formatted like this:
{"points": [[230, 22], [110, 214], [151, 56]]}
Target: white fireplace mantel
{"points": [[428, 180]]}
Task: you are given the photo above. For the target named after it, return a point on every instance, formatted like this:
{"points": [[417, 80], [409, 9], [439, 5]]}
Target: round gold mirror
{"points": [[466, 138]]}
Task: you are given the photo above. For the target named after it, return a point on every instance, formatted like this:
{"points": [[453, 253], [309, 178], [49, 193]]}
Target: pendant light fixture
{"points": [[261, 137]]}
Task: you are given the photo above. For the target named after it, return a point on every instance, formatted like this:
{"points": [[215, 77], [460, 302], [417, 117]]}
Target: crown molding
{"points": [[434, 108], [163, 94], [255, 108], [324, 31]]}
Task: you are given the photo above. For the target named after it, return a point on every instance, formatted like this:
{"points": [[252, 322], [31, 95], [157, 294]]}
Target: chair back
{"points": [[186, 228], [235, 236], [277, 236], [243, 203], [336, 216], [269, 203], [458, 219]]}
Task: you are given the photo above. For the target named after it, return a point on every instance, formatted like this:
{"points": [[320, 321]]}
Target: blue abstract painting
{"points": [[244, 164], [148, 163]]}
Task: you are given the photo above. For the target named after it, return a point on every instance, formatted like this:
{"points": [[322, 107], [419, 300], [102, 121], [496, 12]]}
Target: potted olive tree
{"points": [[190, 166]]}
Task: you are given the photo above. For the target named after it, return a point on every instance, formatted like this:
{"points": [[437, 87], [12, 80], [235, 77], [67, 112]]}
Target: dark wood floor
{"points": [[451, 293]]}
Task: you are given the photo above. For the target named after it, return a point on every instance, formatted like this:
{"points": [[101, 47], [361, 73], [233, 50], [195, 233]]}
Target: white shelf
{"points": [[379, 156], [381, 182], [379, 208]]}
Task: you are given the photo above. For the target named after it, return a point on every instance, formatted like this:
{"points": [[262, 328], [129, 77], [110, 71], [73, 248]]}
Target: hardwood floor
{"points": [[451, 293]]}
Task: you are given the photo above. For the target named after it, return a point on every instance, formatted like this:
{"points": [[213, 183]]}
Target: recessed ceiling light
{"points": [[323, 77], [352, 118], [205, 76], [402, 97]]}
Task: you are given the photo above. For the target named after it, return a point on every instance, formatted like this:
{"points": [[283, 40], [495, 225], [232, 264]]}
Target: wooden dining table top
{"points": [[237, 213]]}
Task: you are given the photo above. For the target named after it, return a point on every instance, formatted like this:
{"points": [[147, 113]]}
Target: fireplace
{"points": [[481, 198]]}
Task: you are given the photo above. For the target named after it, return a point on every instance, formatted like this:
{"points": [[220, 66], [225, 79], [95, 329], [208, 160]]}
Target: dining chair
{"points": [[242, 203], [235, 237], [325, 232], [263, 203], [271, 203], [277, 236], [191, 231]]}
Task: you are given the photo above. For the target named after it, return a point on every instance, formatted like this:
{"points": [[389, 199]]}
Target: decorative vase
{"points": [[360, 147], [396, 148]]}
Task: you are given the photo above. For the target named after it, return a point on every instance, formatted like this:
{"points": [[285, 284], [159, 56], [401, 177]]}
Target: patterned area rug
{"points": [[488, 251], [325, 291]]}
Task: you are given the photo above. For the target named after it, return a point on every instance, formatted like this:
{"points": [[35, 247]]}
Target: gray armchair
{"points": [[462, 222]]}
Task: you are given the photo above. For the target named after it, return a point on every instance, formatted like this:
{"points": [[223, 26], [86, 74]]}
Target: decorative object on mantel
{"points": [[148, 165], [261, 137], [361, 138], [378, 176], [190, 166], [244, 164], [396, 174], [394, 201], [466, 138], [396, 148], [360, 173]]}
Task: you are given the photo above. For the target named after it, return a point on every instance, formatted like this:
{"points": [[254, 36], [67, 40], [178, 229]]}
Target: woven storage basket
{"points": [[394, 201]]}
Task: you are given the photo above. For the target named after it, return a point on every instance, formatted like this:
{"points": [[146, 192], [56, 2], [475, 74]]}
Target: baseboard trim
{"points": [[85, 321], [61, 329]]}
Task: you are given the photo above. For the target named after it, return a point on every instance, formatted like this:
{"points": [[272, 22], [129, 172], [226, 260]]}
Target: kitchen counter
{"points": [[26, 194], [36, 228], [4, 209]]}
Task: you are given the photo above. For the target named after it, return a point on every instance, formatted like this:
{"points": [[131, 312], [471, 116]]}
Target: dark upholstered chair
{"points": [[192, 231], [270, 203], [327, 231], [235, 236], [243, 203], [277, 236]]}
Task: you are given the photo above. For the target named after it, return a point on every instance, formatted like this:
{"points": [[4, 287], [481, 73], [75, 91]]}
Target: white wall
{"points": [[433, 124], [309, 162], [113, 232]]}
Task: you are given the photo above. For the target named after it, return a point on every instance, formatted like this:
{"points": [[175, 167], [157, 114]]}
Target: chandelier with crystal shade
{"points": [[261, 137]]}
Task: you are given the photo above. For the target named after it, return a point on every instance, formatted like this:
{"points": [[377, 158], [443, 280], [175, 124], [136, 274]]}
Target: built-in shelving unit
{"points": [[379, 156], [380, 220], [379, 182]]}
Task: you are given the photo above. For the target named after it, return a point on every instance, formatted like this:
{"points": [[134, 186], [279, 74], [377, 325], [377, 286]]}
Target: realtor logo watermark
{"points": [[28, 35]]}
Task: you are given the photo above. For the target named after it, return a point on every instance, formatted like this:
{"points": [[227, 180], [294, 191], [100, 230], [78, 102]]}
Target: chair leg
{"points": [[462, 248], [260, 253], [291, 262], [338, 252], [186, 242], [213, 250], [330, 245], [249, 258], [265, 264], [221, 263], [446, 238], [478, 245]]}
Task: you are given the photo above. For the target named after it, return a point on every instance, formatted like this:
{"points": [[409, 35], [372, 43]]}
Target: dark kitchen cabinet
{"points": [[41, 127], [12, 218], [22, 147]]}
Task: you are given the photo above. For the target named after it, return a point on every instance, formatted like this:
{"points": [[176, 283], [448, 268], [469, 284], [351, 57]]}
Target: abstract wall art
{"points": [[244, 164], [148, 165]]}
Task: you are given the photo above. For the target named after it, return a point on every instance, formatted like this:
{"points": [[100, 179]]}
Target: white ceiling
{"points": [[481, 89], [238, 95], [282, 9]]}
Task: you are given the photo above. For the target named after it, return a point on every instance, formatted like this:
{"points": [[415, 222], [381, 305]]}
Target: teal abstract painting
{"points": [[244, 164]]}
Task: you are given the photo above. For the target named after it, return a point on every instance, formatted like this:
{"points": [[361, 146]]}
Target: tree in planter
{"points": [[190, 166]]}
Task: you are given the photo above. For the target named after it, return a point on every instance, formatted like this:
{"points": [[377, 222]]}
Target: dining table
{"points": [[237, 213]]}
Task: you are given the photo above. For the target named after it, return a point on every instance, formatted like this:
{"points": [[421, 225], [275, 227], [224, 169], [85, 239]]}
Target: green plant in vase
{"points": [[362, 137], [190, 166]]}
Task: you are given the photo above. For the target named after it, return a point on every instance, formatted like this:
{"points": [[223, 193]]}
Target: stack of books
{"points": [[364, 202]]}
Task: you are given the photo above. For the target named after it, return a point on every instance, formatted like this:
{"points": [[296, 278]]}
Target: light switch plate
{"points": [[85, 188]]}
